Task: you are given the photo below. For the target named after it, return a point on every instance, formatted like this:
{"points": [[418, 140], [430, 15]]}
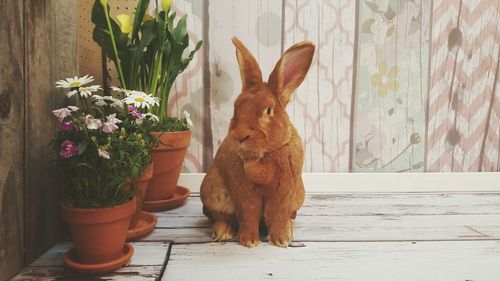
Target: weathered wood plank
{"points": [[321, 107], [190, 215], [476, 260], [51, 54], [145, 264], [150, 254], [132, 273], [364, 228], [391, 86], [12, 96]]}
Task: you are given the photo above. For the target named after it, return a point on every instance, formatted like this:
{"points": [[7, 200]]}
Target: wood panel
{"points": [[257, 24], [464, 68], [12, 97], [145, 264], [410, 261], [362, 217], [391, 86], [321, 107], [51, 54]]}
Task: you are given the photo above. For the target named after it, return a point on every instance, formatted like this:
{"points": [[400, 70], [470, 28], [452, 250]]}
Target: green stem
{"points": [[111, 34]]}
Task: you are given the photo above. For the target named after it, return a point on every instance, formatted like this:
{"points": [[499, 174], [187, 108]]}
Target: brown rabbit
{"points": [[257, 170]]}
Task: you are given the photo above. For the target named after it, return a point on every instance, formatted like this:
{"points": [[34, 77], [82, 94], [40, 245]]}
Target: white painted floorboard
{"points": [[363, 261], [361, 237]]}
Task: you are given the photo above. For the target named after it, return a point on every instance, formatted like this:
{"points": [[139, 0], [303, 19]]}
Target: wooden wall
{"points": [[395, 85], [11, 135], [38, 46]]}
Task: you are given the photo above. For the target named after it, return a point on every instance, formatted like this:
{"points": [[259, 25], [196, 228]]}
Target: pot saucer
{"points": [[146, 224], [180, 196], [70, 260]]}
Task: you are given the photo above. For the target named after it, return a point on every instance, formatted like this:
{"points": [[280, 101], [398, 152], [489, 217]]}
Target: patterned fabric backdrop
{"points": [[395, 85]]}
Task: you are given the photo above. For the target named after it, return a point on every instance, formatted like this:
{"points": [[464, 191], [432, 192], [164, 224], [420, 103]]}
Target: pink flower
{"points": [[68, 149], [61, 113], [65, 126], [135, 112], [91, 123], [110, 125]]}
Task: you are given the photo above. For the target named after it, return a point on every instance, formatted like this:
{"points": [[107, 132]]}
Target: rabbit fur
{"points": [[256, 173]]}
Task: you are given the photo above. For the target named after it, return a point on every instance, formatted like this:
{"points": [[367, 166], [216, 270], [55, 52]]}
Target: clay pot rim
{"points": [[173, 132], [94, 210], [177, 140]]}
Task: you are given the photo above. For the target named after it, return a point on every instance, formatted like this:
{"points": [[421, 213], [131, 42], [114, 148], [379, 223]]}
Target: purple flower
{"points": [[68, 149], [135, 112], [65, 126]]}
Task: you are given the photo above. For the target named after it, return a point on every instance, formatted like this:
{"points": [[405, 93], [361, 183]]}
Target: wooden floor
{"points": [[362, 237]]}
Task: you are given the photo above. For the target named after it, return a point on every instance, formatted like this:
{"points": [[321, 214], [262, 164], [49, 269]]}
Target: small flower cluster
{"points": [[93, 124]]}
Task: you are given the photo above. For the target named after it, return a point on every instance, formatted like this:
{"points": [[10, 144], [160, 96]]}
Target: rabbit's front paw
{"points": [[247, 154], [222, 231], [249, 239], [281, 237]]}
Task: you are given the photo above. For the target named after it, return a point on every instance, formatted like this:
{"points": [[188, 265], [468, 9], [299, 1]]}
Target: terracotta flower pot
{"points": [[99, 234], [167, 157], [141, 185]]}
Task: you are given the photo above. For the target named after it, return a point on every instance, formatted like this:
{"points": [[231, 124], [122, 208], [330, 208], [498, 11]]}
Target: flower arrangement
{"points": [[148, 52], [102, 143]]}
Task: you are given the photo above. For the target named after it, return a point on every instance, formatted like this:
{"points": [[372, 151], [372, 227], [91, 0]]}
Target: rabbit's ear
{"points": [[249, 69], [291, 70]]}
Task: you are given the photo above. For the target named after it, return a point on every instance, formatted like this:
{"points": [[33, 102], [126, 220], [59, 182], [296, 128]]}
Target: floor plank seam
{"points": [[351, 241], [165, 262]]}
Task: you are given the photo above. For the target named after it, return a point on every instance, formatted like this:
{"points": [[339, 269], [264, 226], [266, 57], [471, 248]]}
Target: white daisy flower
{"points": [[121, 90], [105, 100], [188, 118], [141, 99], [103, 153], [153, 117], [84, 91], [75, 82]]}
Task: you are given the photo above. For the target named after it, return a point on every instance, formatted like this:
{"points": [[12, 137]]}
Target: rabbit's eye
{"points": [[269, 111]]}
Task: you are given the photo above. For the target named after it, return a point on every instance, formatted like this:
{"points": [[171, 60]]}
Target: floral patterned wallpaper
{"points": [[395, 85], [391, 81]]}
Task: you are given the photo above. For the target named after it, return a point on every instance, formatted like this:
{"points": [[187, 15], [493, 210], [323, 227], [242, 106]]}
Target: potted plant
{"points": [[138, 121], [149, 52], [100, 147]]}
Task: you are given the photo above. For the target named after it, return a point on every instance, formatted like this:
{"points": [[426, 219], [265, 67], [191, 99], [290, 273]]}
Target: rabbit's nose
{"points": [[242, 138]]}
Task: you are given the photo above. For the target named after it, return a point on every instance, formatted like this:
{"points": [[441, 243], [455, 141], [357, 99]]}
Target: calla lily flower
{"points": [[147, 17], [166, 4], [125, 23]]}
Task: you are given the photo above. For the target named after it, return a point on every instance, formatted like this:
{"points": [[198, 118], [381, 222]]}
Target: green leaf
{"points": [[82, 147], [140, 10], [180, 31]]}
